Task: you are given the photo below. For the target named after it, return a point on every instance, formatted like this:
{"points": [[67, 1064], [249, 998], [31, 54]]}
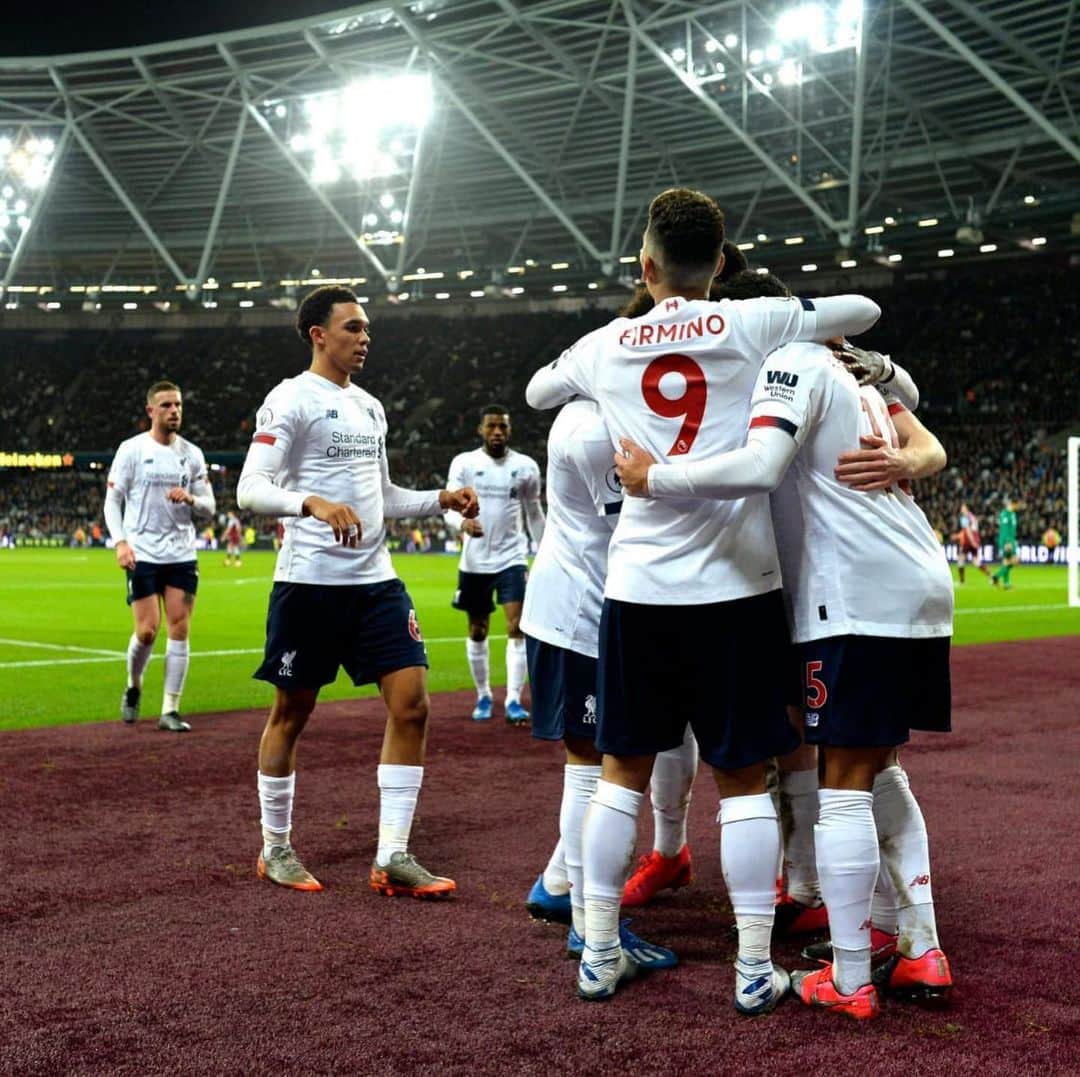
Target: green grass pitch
{"points": [[64, 629]]}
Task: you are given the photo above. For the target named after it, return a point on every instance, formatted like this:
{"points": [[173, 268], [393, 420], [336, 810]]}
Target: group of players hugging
{"points": [[732, 569]]}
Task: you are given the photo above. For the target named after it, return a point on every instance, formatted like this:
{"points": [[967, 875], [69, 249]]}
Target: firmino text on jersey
{"points": [[672, 332]]}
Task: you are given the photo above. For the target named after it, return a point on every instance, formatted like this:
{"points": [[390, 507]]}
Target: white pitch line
{"points": [[61, 647], [114, 655], [1012, 609]]}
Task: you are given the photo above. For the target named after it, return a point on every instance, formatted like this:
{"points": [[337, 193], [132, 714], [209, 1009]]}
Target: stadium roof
{"points": [[229, 159]]}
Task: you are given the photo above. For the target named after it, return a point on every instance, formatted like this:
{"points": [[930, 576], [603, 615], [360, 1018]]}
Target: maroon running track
{"points": [[137, 939]]}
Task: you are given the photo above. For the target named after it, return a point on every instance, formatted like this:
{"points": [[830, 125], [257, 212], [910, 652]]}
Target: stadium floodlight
{"points": [[896, 257], [558, 287], [1030, 200], [442, 295], [476, 293], [1038, 241], [988, 248], [731, 40], [874, 229], [789, 73], [386, 200], [810, 267], [711, 45], [756, 56], [745, 246], [848, 263], [947, 252], [762, 237], [1072, 552], [927, 222], [793, 241]]}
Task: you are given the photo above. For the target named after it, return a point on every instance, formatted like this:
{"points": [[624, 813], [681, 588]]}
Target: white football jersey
{"points": [[855, 563], [566, 583], [143, 471], [678, 381], [334, 443], [509, 491]]}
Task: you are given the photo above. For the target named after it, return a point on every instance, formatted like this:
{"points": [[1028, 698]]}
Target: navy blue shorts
{"points": [[147, 579], [563, 688], [312, 629], [475, 589], [871, 691], [720, 667]]}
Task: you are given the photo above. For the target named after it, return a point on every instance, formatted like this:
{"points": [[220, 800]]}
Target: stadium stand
{"points": [[992, 355]]}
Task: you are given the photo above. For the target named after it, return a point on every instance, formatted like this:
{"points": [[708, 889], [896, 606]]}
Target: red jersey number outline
{"points": [[816, 691], [690, 407]]}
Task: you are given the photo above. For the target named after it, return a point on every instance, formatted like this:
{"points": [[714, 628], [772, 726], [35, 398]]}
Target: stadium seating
{"points": [[993, 356]]}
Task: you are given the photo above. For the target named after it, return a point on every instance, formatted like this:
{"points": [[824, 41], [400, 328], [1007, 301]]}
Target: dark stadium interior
{"points": [[993, 354]]}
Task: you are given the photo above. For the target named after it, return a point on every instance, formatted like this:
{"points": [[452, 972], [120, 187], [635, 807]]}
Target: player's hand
{"points": [[125, 555], [632, 466], [473, 527], [341, 518], [868, 367], [179, 495], [876, 466], [464, 501]]}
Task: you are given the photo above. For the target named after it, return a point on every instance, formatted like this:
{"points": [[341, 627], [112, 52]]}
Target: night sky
{"points": [[29, 31]]}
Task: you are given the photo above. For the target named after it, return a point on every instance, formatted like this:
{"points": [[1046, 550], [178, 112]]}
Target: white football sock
{"points": [[798, 814], [555, 877], [517, 666], [275, 809], [749, 849], [847, 858], [399, 789], [883, 910], [579, 784], [138, 654], [906, 852], [477, 652], [176, 667], [670, 790], [608, 840]]}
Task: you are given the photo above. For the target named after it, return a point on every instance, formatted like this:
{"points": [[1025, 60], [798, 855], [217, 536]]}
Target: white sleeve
{"points": [[534, 510], [275, 425], [456, 479], [258, 492], [114, 513], [116, 492], [901, 387], [568, 376], [771, 323], [204, 503], [401, 504], [756, 468]]}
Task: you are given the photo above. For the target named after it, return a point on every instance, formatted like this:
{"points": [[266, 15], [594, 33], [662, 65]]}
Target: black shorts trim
{"points": [[724, 668], [147, 579], [563, 691], [313, 629], [477, 592], [871, 691]]}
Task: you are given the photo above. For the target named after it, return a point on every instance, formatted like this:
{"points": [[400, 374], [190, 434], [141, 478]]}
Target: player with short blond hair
{"points": [[158, 485]]}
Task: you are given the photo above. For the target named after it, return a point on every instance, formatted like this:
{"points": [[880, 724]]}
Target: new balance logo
{"points": [[920, 880], [783, 377], [286, 664], [331, 413], [812, 719]]}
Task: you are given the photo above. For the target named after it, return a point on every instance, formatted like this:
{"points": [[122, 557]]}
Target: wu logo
{"points": [[590, 711], [286, 664], [783, 377]]}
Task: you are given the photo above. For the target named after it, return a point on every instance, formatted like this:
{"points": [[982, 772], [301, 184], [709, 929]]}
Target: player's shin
{"points": [[846, 844], [516, 668], [798, 815], [608, 838], [906, 850], [749, 849], [138, 655], [579, 785], [177, 652], [670, 791], [399, 790], [275, 809], [479, 665]]}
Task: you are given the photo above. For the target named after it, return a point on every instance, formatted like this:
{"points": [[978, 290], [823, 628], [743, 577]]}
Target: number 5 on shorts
{"points": [[690, 407], [816, 692]]}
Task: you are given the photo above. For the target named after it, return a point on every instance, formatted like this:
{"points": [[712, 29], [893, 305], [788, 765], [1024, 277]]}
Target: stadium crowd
{"points": [[992, 355]]}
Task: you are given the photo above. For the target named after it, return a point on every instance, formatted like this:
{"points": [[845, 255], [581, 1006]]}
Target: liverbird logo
{"points": [[286, 664]]}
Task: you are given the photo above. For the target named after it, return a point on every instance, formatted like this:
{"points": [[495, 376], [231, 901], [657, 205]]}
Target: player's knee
{"points": [[146, 636], [412, 710], [478, 633]]}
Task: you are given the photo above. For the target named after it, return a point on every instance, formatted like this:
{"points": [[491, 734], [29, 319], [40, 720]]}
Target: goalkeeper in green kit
{"points": [[1006, 543]]}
